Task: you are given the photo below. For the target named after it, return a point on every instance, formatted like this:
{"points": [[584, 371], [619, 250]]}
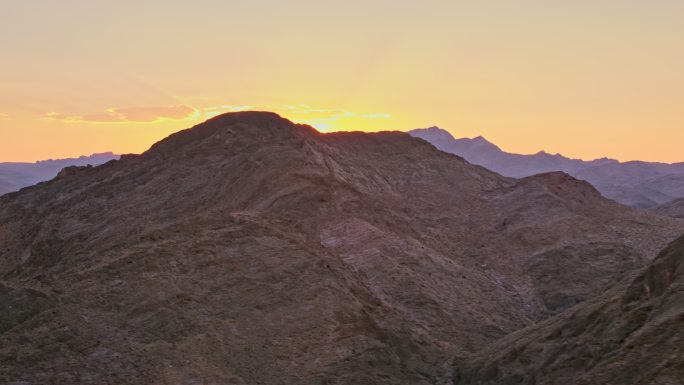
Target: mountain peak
{"points": [[482, 141], [470, 149], [243, 126], [250, 117], [432, 133]]}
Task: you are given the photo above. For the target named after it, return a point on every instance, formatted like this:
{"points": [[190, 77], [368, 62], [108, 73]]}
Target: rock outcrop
{"points": [[631, 335], [674, 209]]}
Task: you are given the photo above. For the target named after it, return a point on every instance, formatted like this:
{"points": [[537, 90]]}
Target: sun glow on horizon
{"points": [[587, 80]]}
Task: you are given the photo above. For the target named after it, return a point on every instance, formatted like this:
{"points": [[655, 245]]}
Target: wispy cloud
{"points": [[131, 115], [375, 116], [4, 116]]}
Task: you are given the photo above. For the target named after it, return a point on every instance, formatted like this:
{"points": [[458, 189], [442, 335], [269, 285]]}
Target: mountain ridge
{"points": [[17, 175], [673, 209], [249, 249], [635, 183], [631, 334]]}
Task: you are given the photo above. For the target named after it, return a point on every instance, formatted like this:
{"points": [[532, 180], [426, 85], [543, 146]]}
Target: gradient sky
{"points": [[583, 78]]}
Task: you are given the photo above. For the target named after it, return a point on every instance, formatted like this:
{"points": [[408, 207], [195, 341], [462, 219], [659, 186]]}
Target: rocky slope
{"points": [[250, 250], [673, 209], [14, 176], [630, 335], [637, 184]]}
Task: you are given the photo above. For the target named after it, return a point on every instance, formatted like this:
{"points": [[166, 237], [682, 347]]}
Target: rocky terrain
{"points": [[637, 184], [251, 250], [632, 334], [673, 209], [15, 175]]}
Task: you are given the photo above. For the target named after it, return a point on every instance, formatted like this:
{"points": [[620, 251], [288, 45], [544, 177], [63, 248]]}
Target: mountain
{"points": [[632, 334], [251, 250], [14, 176], [638, 184], [673, 209]]}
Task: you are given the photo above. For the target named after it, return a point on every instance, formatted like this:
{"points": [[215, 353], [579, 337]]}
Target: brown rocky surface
{"points": [[674, 209], [633, 334], [250, 250]]}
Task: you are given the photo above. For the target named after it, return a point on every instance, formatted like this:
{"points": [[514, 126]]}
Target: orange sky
{"points": [[584, 78]]}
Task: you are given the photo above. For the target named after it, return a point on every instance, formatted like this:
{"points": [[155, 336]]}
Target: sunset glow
{"points": [[586, 79]]}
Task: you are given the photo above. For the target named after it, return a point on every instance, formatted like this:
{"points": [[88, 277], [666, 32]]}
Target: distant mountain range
{"points": [[16, 175], [645, 185], [637, 184]]}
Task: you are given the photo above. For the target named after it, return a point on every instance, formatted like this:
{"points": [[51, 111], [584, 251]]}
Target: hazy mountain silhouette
{"points": [[250, 250], [638, 184], [16, 175], [631, 334]]}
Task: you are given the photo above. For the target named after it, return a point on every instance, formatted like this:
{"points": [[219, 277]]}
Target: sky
{"points": [[587, 79]]}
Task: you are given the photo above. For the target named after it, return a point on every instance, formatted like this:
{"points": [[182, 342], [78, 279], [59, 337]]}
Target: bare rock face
{"points": [[632, 334], [250, 250], [599, 264], [674, 209], [20, 305]]}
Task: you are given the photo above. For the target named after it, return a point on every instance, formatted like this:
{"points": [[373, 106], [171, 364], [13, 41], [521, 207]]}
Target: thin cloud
{"points": [[376, 116], [4, 116], [130, 115]]}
